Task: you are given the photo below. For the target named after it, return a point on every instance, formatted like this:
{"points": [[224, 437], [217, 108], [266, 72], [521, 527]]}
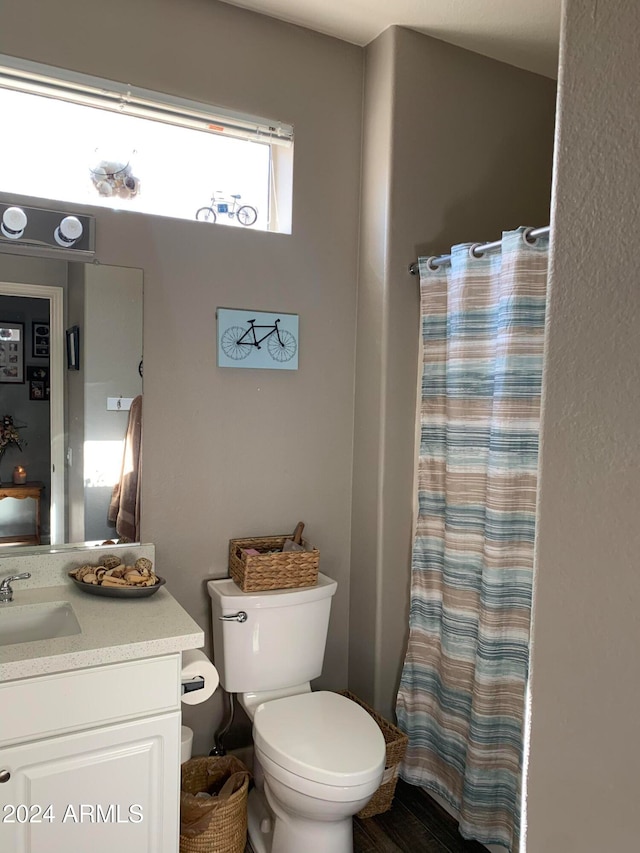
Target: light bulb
{"points": [[14, 221], [68, 232]]}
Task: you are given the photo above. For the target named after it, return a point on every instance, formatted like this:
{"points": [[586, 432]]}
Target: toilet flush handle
{"points": [[241, 616]]}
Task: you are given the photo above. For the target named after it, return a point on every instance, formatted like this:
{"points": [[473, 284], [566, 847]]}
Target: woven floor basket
{"points": [[227, 831], [282, 570], [396, 743]]}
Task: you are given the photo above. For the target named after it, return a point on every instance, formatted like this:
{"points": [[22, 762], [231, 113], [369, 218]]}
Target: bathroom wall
{"points": [[457, 147], [234, 452], [111, 341], [585, 750], [52, 273]]}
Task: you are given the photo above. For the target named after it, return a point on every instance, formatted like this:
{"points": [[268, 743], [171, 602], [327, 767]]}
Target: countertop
{"points": [[112, 630]]}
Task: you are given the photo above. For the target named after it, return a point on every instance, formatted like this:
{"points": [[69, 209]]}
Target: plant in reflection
{"points": [[9, 437]]}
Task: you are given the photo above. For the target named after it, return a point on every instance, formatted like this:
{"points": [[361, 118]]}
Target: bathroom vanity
{"points": [[89, 713]]}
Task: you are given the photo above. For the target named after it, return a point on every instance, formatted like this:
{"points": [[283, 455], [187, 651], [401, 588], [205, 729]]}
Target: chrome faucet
{"points": [[6, 593]]}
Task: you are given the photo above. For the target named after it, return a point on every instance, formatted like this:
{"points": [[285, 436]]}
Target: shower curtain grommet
{"points": [[526, 239], [430, 265], [474, 252]]}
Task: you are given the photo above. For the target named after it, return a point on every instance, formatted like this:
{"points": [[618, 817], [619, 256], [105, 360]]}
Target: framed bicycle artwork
{"points": [[257, 339]]}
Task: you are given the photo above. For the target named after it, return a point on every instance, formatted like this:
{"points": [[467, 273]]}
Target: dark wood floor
{"points": [[414, 824]]}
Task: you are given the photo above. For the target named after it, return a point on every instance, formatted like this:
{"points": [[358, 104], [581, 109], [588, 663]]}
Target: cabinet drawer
{"points": [[84, 698]]}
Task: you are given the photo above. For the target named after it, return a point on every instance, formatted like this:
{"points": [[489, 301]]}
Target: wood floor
{"points": [[414, 824]]}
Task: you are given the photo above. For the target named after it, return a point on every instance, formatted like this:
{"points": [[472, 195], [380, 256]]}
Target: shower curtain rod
{"points": [[480, 249]]}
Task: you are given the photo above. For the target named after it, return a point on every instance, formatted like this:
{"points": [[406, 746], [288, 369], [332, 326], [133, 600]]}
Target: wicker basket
{"points": [[227, 829], [282, 570], [396, 742]]}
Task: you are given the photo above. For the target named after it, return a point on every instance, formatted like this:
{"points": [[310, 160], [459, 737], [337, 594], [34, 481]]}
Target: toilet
{"points": [[319, 757]]}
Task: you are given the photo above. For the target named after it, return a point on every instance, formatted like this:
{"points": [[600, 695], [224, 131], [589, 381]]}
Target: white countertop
{"points": [[112, 630]]}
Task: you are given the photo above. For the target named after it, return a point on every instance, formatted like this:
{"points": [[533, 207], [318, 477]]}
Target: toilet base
{"points": [[271, 834], [260, 822]]}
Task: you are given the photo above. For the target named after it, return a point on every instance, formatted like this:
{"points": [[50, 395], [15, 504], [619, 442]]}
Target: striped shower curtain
{"points": [[462, 691]]}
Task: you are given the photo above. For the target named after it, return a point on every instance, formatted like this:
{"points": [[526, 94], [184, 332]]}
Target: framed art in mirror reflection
{"points": [[11, 352], [40, 337]]}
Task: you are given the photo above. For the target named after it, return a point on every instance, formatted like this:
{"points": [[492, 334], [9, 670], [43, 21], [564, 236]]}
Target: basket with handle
{"points": [[396, 746], [272, 568]]}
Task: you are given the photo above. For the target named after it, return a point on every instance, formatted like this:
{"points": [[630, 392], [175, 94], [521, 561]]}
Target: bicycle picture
{"points": [[237, 342], [244, 213]]}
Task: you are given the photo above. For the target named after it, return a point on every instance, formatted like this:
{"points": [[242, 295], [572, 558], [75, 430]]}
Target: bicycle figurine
{"points": [[244, 213], [236, 342]]}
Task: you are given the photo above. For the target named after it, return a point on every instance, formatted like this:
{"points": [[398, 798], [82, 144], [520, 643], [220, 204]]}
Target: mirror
{"points": [[68, 388]]}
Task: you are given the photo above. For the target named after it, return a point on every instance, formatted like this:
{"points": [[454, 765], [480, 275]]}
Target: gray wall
{"points": [[585, 752], [111, 349], [51, 273], [443, 163], [235, 452]]}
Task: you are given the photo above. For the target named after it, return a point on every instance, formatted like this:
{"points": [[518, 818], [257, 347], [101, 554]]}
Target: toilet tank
{"points": [[282, 641]]}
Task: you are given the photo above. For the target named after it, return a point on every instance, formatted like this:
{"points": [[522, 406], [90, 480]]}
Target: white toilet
{"points": [[319, 757]]}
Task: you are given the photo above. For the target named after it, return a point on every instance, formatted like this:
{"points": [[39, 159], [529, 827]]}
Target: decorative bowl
{"points": [[119, 592]]}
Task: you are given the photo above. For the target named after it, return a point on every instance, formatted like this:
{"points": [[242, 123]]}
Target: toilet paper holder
{"points": [[198, 677], [191, 684]]}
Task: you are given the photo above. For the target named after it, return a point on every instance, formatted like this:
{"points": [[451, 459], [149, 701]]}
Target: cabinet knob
{"points": [[4, 775]]}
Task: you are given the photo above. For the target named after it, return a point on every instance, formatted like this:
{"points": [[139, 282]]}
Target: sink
{"points": [[30, 622]]}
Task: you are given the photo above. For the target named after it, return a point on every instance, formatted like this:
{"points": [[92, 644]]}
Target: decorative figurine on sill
{"points": [[115, 178]]}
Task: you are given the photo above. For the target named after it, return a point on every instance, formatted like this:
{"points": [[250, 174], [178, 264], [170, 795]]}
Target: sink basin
{"points": [[30, 622]]}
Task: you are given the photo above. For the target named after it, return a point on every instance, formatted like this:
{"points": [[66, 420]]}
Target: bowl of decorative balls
{"points": [[114, 579], [114, 177]]}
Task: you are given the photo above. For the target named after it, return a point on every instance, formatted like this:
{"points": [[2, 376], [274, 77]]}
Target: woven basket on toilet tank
{"points": [[396, 746], [276, 570]]}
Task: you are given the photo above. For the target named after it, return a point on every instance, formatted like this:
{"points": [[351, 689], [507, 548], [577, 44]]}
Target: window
{"points": [[90, 141]]}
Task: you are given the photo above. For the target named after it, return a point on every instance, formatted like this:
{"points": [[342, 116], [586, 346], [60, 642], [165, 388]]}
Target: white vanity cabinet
{"points": [[90, 759]]}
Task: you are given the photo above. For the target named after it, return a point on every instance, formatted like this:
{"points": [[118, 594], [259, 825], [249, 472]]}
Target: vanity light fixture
{"points": [[14, 221], [49, 233], [68, 232]]}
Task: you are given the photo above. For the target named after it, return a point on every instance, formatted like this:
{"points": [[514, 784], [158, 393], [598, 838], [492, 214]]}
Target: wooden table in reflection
{"points": [[26, 490]]}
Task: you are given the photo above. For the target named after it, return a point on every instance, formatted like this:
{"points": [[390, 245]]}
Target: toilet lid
{"points": [[321, 736]]}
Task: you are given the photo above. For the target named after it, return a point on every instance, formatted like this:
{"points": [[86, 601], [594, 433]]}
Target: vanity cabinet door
{"points": [[98, 791]]}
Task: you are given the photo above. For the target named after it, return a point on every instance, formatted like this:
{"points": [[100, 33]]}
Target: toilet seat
{"points": [[315, 790], [322, 737]]}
